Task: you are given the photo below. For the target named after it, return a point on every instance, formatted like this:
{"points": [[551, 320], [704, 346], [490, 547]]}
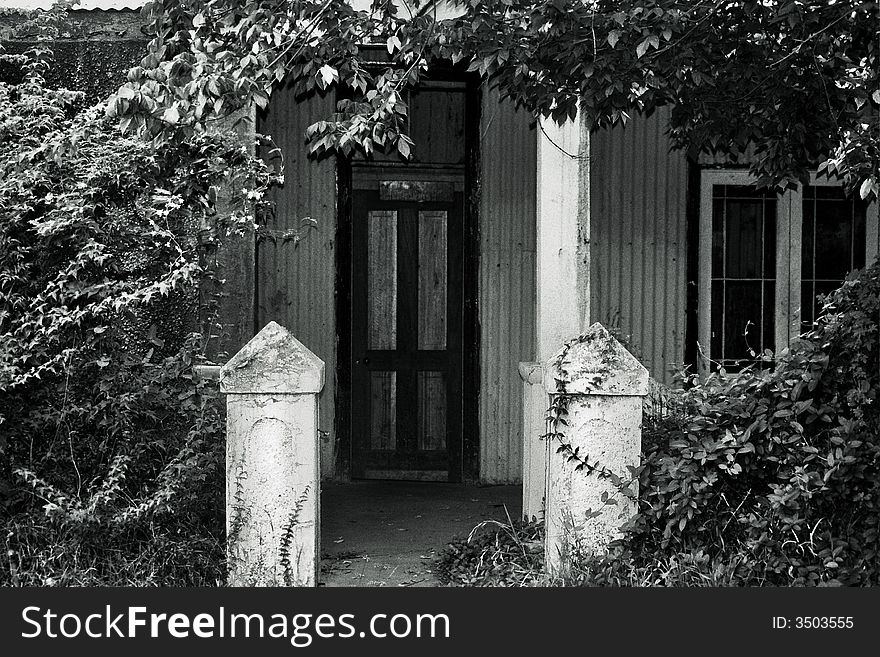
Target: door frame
{"points": [[469, 471]]}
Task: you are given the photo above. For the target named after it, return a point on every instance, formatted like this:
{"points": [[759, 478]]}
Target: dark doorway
{"points": [[406, 338], [407, 260]]}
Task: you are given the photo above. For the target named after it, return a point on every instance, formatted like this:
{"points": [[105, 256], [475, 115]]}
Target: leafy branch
{"points": [[606, 59]]}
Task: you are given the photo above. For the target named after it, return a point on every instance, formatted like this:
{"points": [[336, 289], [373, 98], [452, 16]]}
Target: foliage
{"points": [[105, 430], [765, 477], [181, 550], [771, 476], [798, 80], [666, 569], [494, 554]]}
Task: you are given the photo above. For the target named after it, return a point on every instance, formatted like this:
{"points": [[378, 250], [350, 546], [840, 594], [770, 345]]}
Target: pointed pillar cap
{"points": [[273, 361], [595, 364]]}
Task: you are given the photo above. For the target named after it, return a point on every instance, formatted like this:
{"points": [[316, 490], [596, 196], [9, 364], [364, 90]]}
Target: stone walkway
{"points": [[389, 533]]}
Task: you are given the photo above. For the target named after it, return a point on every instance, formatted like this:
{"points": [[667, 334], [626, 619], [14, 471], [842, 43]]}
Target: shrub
{"points": [[104, 430], [768, 476], [494, 554]]}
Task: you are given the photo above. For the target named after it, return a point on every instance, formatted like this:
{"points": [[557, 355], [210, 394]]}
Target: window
{"points": [[743, 280], [764, 258]]}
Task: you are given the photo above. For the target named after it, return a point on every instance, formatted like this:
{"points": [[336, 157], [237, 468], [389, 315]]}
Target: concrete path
{"points": [[389, 533]]}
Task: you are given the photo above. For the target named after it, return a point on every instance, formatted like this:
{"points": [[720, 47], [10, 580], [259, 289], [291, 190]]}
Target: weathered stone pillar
{"points": [[562, 273], [602, 387], [272, 461]]}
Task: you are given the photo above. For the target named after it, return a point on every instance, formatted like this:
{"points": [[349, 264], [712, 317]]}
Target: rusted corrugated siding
{"points": [[296, 279], [507, 283], [638, 249]]}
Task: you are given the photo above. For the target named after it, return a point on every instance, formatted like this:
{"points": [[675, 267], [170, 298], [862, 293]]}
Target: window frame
{"points": [[789, 224]]}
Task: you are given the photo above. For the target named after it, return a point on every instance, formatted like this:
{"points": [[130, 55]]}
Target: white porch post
{"points": [[563, 276]]}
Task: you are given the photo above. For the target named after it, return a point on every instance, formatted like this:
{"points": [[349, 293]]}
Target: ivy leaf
{"points": [[646, 43], [403, 147], [171, 115], [392, 43], [328, 75], [613, 37]]}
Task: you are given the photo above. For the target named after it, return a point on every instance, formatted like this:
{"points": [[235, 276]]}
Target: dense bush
{"points": [[109, 445], [768, 476]]}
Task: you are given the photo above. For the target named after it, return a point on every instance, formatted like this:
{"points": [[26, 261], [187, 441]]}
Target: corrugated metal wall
{"points": [[296, 279], [507, 282], [638, 250], [295, 284]]}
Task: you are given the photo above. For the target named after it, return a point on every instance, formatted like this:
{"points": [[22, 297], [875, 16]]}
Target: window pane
{"points": [[833, 239], [743, 319], [808, 305], [382, 279], [747, 192], [718, 237], [808, 240], [432, 280], [768, 334], [860, 239], [717, 341], [769, 248], [833, 235], [833, 192], [744, 255]]}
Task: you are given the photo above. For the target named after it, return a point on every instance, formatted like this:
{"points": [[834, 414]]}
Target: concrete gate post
{"points": [[272, 461], [601, 388]]}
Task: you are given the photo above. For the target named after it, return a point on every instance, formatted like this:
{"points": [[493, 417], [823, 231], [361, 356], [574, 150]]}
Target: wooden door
{"points": [[406, 332]]}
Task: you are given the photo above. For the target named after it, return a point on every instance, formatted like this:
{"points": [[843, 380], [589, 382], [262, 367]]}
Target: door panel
{"points": [[383, 410], [432, 410], [406, 334], [382, 279], [432, 279]]}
